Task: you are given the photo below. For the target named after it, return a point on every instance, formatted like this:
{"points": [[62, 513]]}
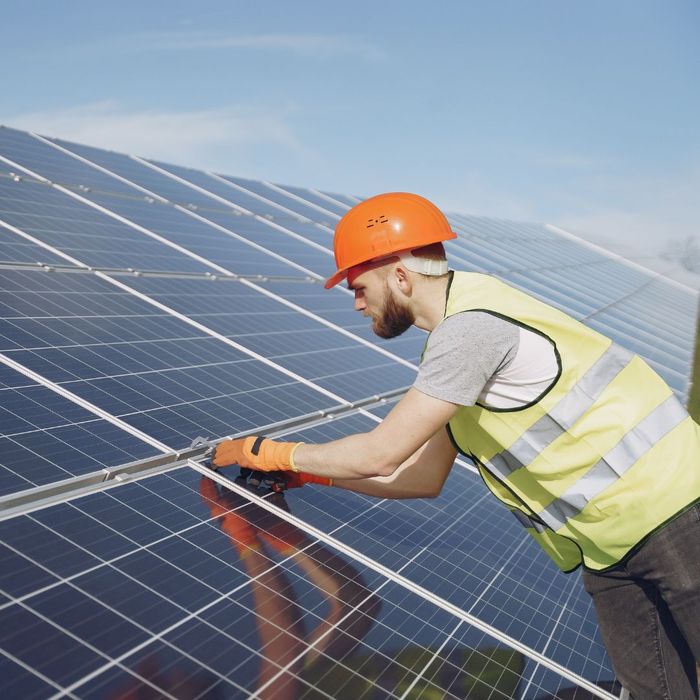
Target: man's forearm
{"points": [[422, 475], [381, 487], [354, 457]]}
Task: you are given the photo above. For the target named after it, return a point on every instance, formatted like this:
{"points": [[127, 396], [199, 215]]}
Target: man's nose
{"points": [[360, 302]]}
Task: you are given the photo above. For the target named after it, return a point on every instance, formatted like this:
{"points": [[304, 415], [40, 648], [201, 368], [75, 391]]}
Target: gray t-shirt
{"points": [[463, 353]]}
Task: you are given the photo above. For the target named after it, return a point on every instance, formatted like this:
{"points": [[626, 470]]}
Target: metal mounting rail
{"points": [[74, 487], [129, 271]]}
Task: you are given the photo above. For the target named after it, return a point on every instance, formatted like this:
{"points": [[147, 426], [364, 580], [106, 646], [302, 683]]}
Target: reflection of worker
{"points": [[283, 634], [155, 677], [579, 438]]}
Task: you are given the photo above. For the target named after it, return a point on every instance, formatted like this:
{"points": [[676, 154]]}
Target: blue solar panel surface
{"points": [[271, 193], [45, 437], [139, 363], [77, 230], [178, 586], [182, 587]]}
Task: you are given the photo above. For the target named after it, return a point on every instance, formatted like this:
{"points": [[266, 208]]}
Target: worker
{"points": [[579, 438]]}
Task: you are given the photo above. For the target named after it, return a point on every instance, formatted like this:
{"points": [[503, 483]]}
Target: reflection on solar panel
{"points": [[144, 304]]}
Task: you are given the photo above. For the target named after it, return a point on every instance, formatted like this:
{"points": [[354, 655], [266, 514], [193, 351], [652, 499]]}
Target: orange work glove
{"points": [[256, 452]]}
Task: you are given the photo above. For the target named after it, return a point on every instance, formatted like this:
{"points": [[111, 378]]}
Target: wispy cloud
{"points": [[631, 214], [201, 138], [647, 211], [315, 45]]}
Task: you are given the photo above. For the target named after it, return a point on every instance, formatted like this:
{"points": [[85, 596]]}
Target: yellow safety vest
{"points": [[598, 461]]}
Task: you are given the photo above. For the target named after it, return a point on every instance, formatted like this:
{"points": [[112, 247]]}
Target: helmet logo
{"points": [[379, 220]]}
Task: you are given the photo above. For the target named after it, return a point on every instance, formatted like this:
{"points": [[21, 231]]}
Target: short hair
{"points": [[434, 251]]}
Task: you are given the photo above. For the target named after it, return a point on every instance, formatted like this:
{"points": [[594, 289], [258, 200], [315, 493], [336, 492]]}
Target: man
{"points": [[580, 439]]}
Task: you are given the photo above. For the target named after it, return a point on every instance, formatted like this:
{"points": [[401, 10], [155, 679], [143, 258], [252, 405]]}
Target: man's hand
{"points": [[256, 452]]}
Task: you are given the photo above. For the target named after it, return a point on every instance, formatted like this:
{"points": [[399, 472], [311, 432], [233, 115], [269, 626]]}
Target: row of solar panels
{"points": [[191, 210], [101, 369]]}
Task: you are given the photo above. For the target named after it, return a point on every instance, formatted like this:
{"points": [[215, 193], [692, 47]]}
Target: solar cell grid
{"points": [[300, 196], [273, 214], [346, 199], [161, 375], [264, 211], [501, 229], [579, 308], [223, 245], [401, 568], [194, 233], [292, 340], [642, 340], [303, 243], [337, 307], [134, 248], [313, 198], [225, 189], [32, 153], [138, 173], [160, 184], [268, 192], [552, 283], [302, 601], [45, 437], [519, 254], [15, 249], [78, 230], [469, 261]]}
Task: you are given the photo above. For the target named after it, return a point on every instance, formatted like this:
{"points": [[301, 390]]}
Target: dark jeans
{"points": [[649, 612]]}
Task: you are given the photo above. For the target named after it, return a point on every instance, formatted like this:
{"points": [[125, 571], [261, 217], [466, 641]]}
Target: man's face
{"points": [[374, 298]]}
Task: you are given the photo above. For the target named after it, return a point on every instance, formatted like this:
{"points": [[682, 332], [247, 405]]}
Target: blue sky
{"points": [[583, 114]]}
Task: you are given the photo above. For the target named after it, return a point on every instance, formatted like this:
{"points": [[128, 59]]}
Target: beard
{"points": [[393, 320]]}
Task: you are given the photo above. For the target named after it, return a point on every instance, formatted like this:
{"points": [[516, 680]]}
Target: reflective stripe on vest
{"points": [[562, 416], [635, 443]]}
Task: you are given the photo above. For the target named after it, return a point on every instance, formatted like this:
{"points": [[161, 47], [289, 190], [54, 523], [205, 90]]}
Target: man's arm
{"points": [[383, 450], [377, 453], [422, 475]]}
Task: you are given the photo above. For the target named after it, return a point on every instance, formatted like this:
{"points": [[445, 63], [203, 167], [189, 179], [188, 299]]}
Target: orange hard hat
{"points": [[384, 225]]}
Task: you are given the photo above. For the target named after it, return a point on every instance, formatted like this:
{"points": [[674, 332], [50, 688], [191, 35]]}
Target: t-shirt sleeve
{"points": [[463, 353]]}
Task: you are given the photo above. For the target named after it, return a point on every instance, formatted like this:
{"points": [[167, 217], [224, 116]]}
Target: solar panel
{"points": [[345, 199], [298, 343], [172, 303], [146, 366], [56, 219], [216, 200], [278, 196], [133, 213], [325, 202], [127, 560], [46, 437], [337, 309]]}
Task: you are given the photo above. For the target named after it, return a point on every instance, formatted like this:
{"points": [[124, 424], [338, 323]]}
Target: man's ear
{"points": [[403, 280]]}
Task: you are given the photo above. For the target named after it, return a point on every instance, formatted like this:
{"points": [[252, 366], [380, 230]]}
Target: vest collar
{"points": [[451, 277]]}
